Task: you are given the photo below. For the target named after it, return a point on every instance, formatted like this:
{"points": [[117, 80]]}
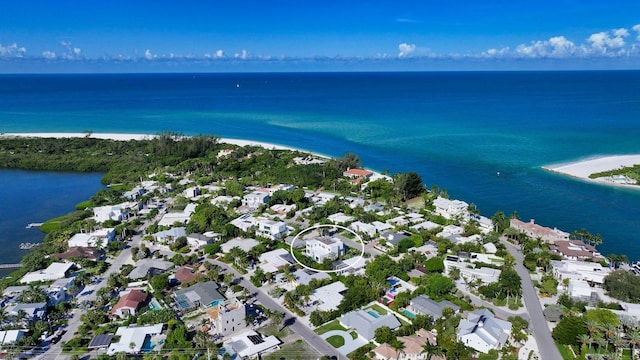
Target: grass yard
{"points": [[379, 309], [334, 325], [298, 350], [336, 341]]}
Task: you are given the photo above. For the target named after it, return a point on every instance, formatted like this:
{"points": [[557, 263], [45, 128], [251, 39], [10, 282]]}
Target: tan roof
{"points": [[358, 172], [185, 274], [385, 350], [79, 251], [575, 248]]}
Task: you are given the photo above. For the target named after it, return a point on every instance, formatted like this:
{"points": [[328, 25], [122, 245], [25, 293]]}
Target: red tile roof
{"points": [[131, 300]]}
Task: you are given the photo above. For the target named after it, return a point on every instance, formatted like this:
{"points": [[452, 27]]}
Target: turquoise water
{"points": [[373, 313], [457, 130], [154, 305], [409, 314]]}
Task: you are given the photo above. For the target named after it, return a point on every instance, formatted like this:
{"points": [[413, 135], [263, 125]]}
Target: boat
{"points": [[28, 246]]}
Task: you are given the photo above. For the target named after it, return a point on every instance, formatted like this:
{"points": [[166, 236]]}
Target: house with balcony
{"points": [[323, 248]]}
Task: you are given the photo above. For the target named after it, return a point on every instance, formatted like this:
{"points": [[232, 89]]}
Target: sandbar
{"points": [[582, 169]]}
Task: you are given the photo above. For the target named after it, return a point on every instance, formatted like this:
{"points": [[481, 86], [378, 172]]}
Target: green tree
{"points": [[160, 282], [568, 330], [383, 334]]}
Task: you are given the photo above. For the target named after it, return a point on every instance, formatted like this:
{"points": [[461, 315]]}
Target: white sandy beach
{"points": [[582, 169], [127, 137]]}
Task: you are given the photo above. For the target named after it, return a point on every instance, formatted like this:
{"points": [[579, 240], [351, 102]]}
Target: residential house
{"points": [[576, 250], [149, 267], [340, 218], [366, 322], [57, 291], [423, 305], [274, 260], [282, 209], [328, 297], [110, 212], [304, 276], [9, 337], [579, 270], [186, 274], [535, 231], [393, 238], [469, 271], [96, 239], [364, 228], [128, 304], [245, 244], [180, 217], [353, 265], [197, 241], [381, 227], [227, 317], [200, 295], [425, 225], [357, 175], [250, 344], [450, 209], [581, 290], [31, 311], [483, 332], [169, 236], [133, 338], [80, 252], [484, 223], [274, 230], [323, 248], [413, 348], [256, 198], [191, 192], [396, 286], [54, 271]]}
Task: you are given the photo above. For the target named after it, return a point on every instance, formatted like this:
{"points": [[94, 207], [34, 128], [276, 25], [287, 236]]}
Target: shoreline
{"points": [[583, 168]]}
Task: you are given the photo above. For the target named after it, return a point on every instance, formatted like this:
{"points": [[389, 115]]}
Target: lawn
{"points": [[565, 352], [379, 309], [298, 350], [334, 325], [336, 341]]}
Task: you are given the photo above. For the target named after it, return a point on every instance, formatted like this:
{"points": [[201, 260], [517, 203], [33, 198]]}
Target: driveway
{"points": [[349, 343]]}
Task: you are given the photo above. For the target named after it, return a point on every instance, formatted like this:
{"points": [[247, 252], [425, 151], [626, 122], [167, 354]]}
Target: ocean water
{"points": [[457, 129], [33, 197]]}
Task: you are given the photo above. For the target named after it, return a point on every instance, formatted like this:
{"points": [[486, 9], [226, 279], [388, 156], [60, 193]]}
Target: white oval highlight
{"points": [[329, 226]]}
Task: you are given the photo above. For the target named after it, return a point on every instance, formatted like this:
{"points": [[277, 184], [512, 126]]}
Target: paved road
{"points": [[358, 246], [313, 339], [501, 312], [546, 345]]}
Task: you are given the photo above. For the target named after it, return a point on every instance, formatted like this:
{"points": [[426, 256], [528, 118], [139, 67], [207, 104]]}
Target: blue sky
{"points": [[284, 35]]}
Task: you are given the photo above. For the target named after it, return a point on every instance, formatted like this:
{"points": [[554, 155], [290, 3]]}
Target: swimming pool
{"points": [[409, 314], [373, 313], [154, 305]]}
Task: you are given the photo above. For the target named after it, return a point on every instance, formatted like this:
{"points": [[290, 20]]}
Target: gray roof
{"points": [[423, 305], [200, 294], [482, 323], [145, 265], [366, 324], [393, 237]]}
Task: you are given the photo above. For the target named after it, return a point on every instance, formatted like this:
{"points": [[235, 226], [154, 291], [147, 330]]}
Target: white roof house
{"points": [[484, 223], [132, 338], [55, 271], [249, 344], [270, 229], [197, 241], [109, 212], [469, 271], [364, 228], [95, 239], [579, 289], [366, 322], [256, 198], [8, 337], [381, 227], [340, 218], [304, 276], [426, 225], [245, 244], [170, 235], [245, 222], [329, 296], [272, 261], [450, 208], [320, 249], [353, 265], [223, 200], [182, 217], [483, 332], [580, 270]]}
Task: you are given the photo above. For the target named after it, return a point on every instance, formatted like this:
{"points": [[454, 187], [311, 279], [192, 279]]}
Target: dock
{"points": [[29, 226], [10, 266]]}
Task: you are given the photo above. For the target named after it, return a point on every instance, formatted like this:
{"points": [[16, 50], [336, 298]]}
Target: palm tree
{"points": [[585, 339], [609, 330], [398, 346], [277, 318], [634, 340], [602, 343], [592, 326], [618, 342], [432, 350]]}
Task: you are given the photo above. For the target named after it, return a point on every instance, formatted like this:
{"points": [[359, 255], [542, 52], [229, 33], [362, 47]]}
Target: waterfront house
{"points": [[80, 252], [56, 270], [483, 332], [575, 250], [579, 270], [95, 239], [535, 231], [450, 209]]}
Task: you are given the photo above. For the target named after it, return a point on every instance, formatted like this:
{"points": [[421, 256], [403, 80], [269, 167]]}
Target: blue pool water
{"points": [[373, 313], [409, 314]]}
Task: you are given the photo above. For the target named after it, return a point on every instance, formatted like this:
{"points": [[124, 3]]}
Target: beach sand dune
{"points": [[582, 169]]}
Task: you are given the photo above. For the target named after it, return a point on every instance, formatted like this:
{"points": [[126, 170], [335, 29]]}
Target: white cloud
{"points": [[495, 53], [49, 54], [406, 49], [555, 47], [219, 53], [12, 51], [242, 55], [70, 51], [608, 42], [637, 29], [148, 55]]}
